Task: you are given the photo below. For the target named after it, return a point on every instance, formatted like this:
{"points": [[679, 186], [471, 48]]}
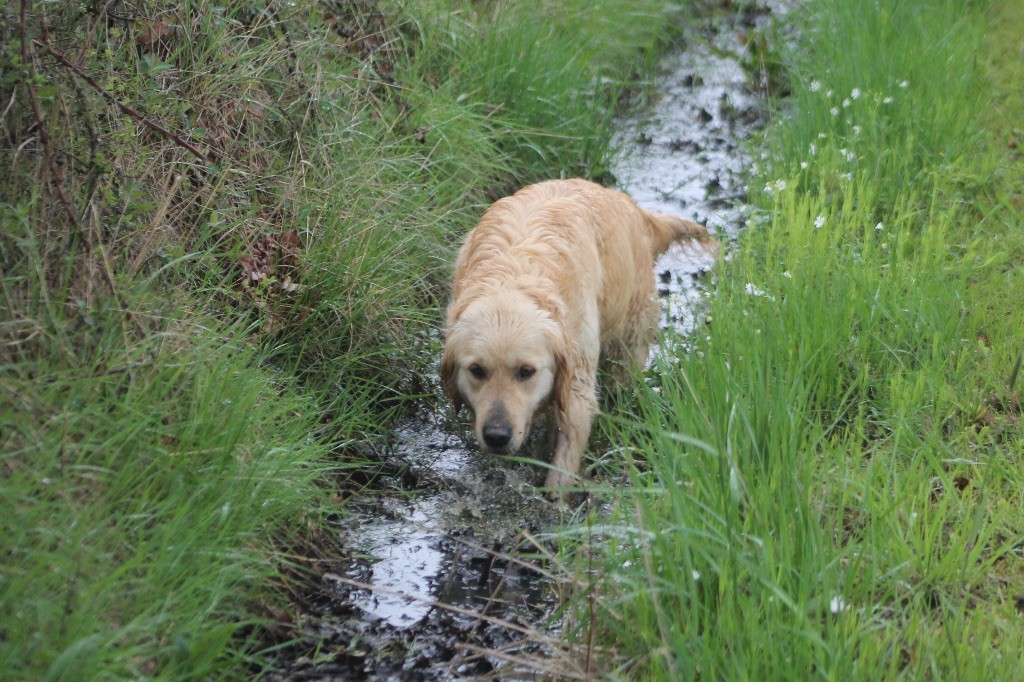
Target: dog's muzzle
{"points": [[497, 434]]}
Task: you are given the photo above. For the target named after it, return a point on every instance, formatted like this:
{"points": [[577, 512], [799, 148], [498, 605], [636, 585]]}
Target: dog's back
{"points": [[585, 243]]}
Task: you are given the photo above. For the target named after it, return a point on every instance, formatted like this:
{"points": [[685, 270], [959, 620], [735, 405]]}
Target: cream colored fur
{"points": [[551, 280]]}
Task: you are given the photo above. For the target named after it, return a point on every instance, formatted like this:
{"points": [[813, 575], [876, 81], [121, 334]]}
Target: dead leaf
{"points": [[153, 35]]}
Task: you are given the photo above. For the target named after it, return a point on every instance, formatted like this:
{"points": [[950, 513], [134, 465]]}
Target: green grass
{"points": [[140, 487], [186, 361], [826, 479]]}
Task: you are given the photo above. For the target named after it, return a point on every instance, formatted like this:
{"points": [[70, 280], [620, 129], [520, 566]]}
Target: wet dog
{"points": [[553, 279]]}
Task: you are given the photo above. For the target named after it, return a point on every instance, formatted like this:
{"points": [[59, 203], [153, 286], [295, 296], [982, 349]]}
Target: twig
{"points": [[534, 634], [57, 176], [210, 156], [533, 665], [512, 559], [1016, 369], [154, 224], [44, 137], [591, 616]]}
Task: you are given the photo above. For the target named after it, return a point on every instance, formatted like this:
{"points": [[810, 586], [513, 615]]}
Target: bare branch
{"points": [[210, 156], [93, 249], [44, 137]]}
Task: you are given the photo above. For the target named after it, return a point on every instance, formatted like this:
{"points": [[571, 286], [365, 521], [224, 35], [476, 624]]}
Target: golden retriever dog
{"points": [[553, 279]]}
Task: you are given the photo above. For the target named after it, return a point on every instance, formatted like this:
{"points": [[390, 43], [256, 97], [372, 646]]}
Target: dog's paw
{"points": [[561, 486]]}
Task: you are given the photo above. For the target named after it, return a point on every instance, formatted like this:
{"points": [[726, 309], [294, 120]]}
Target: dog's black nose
{"points": [[497, 434]]}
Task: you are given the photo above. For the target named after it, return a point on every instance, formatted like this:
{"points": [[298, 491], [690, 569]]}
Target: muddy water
{"points": [[686, 153], [446, 575]]}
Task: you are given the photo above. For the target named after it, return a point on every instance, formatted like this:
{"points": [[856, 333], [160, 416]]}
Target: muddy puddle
{"points": [[445, 573], [686, 154]]}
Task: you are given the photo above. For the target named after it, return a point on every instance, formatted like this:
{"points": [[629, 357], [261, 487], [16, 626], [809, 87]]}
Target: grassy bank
{"points": [[224, 235], [827, 481]]}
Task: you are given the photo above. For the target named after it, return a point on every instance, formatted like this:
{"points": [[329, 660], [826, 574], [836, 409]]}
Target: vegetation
{"points": [[225, 229], [827, 478]]}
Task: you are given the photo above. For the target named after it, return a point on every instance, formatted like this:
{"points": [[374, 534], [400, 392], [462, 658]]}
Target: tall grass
{"points": [[825, 478], [192, 339], [140, 487]]}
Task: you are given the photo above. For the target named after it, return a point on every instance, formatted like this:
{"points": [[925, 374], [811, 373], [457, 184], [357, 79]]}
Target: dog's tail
{"points": [[667, 228]]}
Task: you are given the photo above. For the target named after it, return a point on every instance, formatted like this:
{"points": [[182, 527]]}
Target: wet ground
{"points": [[446, 575], [445, 572], [686, 155]]}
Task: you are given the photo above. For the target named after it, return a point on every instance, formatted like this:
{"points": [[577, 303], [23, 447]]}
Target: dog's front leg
{"points": [[573, 429]]}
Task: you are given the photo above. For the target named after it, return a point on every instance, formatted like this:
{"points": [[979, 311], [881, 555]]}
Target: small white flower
{"points": [[905, 84], [855, 93], [846, 103], [834, 111], [754, 291], [780, 185], [819, 221], [879, 226], [837, 605], [803, 164], [787, 273], [815, 86], [822, 136], [813, 149], [887, 100], [856, 130], [848, 176], [830, 93], [696, 575]]}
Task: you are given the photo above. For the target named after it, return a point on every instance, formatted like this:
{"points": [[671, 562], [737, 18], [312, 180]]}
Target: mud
{"points": [[444, 575], [444, 572], [686, 154]]}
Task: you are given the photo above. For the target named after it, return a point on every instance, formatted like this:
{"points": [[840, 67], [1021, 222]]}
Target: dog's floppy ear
{"points": [[448, 370], [562, 380], [567, 360]]}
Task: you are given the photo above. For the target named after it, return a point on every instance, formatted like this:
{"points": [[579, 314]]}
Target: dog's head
{"points": [[505, 356]]}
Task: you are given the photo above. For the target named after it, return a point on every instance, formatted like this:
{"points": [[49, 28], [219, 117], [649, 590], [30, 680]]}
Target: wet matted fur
{"points": [[552, 279]]}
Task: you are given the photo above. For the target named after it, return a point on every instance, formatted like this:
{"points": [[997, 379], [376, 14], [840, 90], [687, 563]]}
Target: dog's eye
{"points": [[478, 372], [526, 372]]}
